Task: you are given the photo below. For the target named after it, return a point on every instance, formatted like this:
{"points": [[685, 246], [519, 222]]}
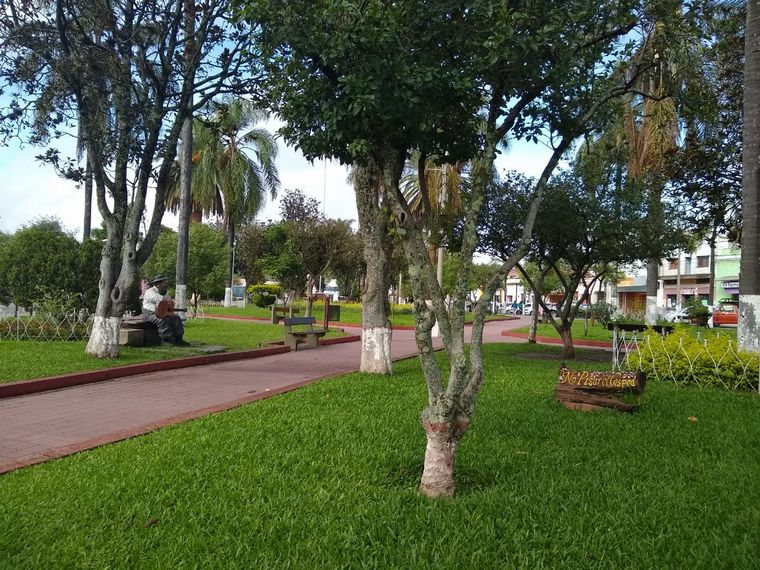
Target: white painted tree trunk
{"points": [[748, 334], [228, 296], [650, 317], [442, 442], [376, 350], [104, 339], [180, 301]]}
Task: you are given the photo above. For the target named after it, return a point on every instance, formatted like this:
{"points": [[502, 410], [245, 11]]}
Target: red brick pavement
{"points": [[39, 427]]}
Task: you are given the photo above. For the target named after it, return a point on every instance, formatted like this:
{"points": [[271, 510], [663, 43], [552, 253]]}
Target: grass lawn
{"points": [[598, 332], [326, 477], [23, 360], [350, 314]]}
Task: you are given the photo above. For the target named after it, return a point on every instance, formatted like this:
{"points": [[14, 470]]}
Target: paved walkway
{"points": [[48, 425]]}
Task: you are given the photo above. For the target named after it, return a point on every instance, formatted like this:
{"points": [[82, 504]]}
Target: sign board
{"points": [[588, 390]]}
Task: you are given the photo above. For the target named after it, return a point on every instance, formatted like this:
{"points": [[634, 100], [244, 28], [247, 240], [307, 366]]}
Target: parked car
{"points": [[527, 309], [726, 314], [673, 315], [683, 315]]}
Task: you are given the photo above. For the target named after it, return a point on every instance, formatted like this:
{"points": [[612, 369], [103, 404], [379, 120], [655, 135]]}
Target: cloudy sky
{"points": [[30, 189]]}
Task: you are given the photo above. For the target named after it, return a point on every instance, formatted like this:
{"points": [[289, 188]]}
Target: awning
{"points": [[632, 289]]}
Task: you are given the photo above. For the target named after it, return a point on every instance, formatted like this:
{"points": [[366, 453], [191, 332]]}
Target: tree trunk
{"points": [[87, 223], [568, 349], [748, 335], [373, 227], [713, 240], [650, 316], [679, 300], [116, 280], [309, 296], [230, 267], [534, 315], [183, 230], [186, 170], [440, 454]]}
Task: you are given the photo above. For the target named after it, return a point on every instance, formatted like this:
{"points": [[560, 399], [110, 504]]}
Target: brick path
{"points": [[48, 425]]}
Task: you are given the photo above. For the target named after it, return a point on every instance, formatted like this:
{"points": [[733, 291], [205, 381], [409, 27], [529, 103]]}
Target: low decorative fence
{"points": [[46, 327], [711, 359]]}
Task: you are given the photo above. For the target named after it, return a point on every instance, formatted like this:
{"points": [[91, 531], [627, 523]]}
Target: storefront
{"points": [[728, 288]]}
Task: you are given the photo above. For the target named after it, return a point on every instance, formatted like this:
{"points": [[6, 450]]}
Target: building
{"points": [[685, 278]]}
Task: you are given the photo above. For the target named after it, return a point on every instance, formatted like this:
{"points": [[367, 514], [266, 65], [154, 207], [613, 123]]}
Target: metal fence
{"points": [[46, 326], [683, 358]]}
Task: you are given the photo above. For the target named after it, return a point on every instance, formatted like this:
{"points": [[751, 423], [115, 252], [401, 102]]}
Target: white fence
{"points": [[46, 327], [704, 360]]}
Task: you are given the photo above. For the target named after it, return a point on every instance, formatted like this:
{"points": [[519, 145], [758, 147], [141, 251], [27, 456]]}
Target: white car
{"points": [[527, 309]]}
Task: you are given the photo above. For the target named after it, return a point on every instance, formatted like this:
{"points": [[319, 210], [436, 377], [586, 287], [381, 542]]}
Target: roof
{"points": [[632, 289]]}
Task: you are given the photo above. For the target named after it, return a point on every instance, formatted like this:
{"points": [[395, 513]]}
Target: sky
{"points": [[30, 189]]}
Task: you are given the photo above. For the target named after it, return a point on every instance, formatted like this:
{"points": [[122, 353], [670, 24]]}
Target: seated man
{"points": [[170, 327]]}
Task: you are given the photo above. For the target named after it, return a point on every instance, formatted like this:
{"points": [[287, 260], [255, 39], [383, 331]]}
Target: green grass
{"points": [[598, 332], [349, 314], [595, 331], [326, 477], [24, 360]]}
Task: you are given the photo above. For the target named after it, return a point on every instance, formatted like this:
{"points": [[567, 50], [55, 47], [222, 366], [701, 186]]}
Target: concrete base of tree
{"points": [[376, 350], [104, 339], [748, 333]]}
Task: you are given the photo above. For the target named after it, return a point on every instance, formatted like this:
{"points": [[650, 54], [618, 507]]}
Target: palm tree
{"points": [[749, 281], [233, 168]]}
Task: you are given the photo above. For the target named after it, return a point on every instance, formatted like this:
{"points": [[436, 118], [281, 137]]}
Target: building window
{"points": [[687, 265], [703, 260], [673, 264]]}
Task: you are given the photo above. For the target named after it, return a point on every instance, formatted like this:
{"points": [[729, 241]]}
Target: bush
{"points": [[713, 361], [698, 313], [604, 312], [265, 294]]}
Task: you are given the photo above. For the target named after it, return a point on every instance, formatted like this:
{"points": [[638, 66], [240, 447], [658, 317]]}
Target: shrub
{"points": [[713, 361], [604, 312], [698, 313], [265, 294]]}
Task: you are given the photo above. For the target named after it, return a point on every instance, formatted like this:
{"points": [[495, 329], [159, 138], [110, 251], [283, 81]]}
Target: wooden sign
{"points": [[594, 390]]}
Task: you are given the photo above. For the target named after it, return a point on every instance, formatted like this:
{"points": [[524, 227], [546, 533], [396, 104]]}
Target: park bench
{"points": [[595, 390], [306, 333], [279, 312], [137, 332]]}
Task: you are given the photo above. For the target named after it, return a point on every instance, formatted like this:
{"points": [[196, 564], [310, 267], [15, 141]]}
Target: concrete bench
{"points": [[279, 313], [308, 335], [137, 332]]}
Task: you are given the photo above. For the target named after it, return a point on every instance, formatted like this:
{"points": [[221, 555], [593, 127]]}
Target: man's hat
{"points": [[157, 279]]}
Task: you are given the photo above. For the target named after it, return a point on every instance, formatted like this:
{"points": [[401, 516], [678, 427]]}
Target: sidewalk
{"points": [[48, 425]]}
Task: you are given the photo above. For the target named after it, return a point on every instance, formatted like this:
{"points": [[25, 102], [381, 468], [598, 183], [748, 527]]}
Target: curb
{"points": [[552, 340], [24, 387]]}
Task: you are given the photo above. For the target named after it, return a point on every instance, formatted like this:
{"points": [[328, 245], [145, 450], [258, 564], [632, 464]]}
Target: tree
{"points": [[748, 334], [588, 225], [206, 260], [234, 169], [116, 70], [42, 259], [349, 268], [317, 244], [370, 84]]}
